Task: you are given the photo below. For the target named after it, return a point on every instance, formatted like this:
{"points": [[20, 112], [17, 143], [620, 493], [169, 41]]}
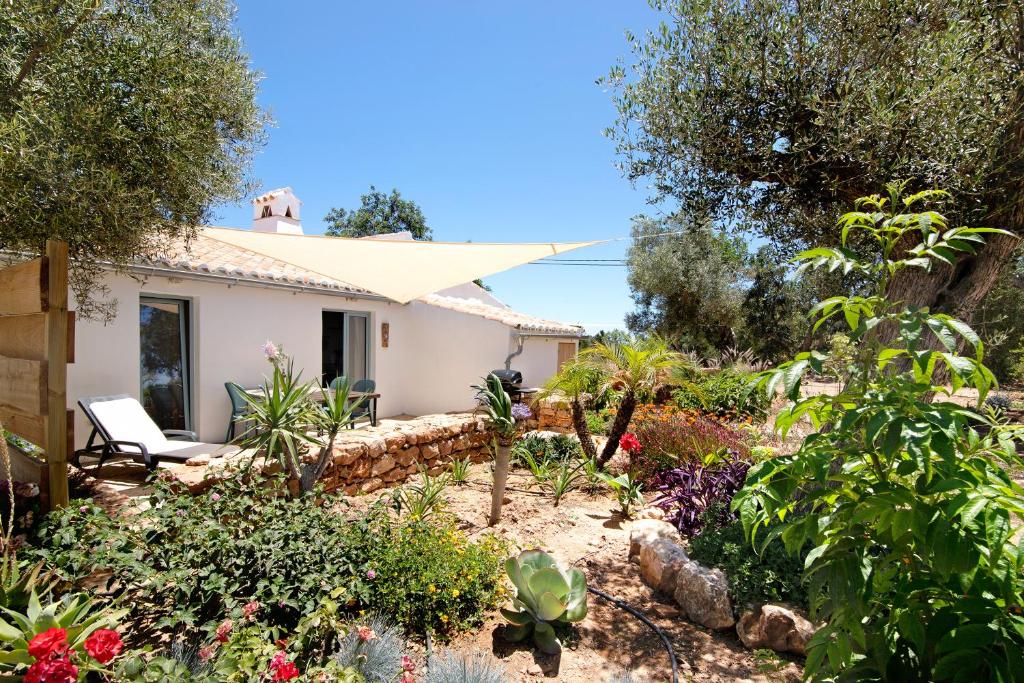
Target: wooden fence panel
{"points": [[36, 344], [25, 287]]}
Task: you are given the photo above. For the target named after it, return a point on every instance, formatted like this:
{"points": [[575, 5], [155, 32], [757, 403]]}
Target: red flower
{"points": [[629, 443], [58, 669], [286, 672], [103, 645], [51, 642], [278, 660], [224, 630]]}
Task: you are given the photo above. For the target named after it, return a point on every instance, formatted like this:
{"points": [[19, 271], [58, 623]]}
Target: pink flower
{"points": [[250, 608], [407, 663], [407, 677], [215, 497], [207, 652], [630, 443], [270, 350], [371, 575], [224, 630], [84, 509], [278, 660], [366, 634]]}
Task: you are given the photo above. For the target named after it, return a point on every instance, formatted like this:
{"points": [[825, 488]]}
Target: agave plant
{"points": [[545, 595]]}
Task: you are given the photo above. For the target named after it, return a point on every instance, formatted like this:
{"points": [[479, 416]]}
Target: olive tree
{"points": [[121, 124], [774, 114]]}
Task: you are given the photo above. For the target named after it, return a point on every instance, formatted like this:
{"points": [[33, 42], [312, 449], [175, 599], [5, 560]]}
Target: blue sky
{"points": [[486, 114]]}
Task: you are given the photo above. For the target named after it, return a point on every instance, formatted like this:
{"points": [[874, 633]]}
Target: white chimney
{"points": [[277, 211]]}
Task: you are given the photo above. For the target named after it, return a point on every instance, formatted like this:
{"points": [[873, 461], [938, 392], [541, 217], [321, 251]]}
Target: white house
{"points": [[195, 319]]}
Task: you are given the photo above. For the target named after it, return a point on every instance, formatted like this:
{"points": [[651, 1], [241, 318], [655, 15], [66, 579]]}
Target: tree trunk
{"points": [[622, 417], [500, 479], [959, 290], [579, 422]]}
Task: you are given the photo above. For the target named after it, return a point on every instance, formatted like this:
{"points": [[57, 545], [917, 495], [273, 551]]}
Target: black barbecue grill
{"points": [[512, 383]]}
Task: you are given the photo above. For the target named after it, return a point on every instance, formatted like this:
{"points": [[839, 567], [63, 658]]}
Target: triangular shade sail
{"points": [[401, 270]]}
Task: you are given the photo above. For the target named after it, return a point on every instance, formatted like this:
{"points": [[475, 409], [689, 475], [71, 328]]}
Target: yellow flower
{"points": [[455, 593], [444, 618], [431, 588]]}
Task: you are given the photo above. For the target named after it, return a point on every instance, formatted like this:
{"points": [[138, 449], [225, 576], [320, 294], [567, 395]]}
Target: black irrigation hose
{"points": [[654, 627]]}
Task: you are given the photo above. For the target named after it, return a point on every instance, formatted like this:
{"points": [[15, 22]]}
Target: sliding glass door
{"points": [[164, 361], [346, 346]]}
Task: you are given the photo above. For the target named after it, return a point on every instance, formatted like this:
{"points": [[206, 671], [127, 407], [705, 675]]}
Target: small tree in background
{"points": [[379, 214], [577, 382]]}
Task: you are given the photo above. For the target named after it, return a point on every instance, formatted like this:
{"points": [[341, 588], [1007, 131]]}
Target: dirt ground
{"points": [[586, 531]]}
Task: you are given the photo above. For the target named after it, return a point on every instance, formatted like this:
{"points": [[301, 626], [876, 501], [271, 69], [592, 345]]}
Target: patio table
{"points": [[318, 395]]}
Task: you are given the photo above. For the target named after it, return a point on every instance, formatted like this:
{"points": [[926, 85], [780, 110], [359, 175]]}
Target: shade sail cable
{"points": [[400, 270]]}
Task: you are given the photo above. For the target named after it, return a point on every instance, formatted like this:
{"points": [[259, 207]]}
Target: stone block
{"points": [[782, 628]]}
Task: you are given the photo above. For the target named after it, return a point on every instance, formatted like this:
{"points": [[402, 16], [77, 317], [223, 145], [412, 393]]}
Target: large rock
{"points": [[647, 531], [660, 563], [778, 627], [704, 595]]}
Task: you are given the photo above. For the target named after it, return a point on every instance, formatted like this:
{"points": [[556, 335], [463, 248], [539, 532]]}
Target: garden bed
{"points": [[586, 531]]}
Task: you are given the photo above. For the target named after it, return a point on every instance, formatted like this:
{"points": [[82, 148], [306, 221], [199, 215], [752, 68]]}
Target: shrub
{"points": [[671, 436], [692, 491], [771, 576], [557, 449], [911, 511], [453, 668], [726, 392], [186, 560]]}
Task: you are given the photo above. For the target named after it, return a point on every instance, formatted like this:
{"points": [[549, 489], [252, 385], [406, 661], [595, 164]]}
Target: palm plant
{"points": [[281, 418], [496, 405], [576, 381], [634, 369]]}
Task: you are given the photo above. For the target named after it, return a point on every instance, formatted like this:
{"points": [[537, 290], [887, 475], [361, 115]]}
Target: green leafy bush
{"points": [[186, 560], [910, 509], [771, 576], [556, 449], [726, 392]]}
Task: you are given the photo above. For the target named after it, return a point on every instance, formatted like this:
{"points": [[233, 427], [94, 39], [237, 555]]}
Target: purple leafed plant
{"points": [[685, 492]]}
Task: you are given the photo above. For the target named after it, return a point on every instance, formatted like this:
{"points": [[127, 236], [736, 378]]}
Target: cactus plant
{"points": [[546, 595]]}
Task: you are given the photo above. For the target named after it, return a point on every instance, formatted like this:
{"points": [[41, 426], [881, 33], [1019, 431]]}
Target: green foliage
{"points": [[185, 560], [121, 124], [599, 421], [429, 577], [999, 321], [459, 472], [281, 418], [494, 402], [724, 392], [546, 595], [685, 285], [557, 449], [379, 214], [627, 491], [909, 508], [422, 499], [772, 323], [773, 116], [771, 575], [563, 479]]}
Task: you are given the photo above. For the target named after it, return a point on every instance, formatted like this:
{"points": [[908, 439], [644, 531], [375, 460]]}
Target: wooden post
{"points": [[57, 371]]}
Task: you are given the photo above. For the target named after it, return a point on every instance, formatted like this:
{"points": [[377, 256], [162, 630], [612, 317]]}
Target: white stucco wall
{"points": [[433, 358], [539, 359]]}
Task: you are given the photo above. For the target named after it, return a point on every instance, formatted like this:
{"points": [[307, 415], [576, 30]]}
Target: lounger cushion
{"points": [[125, 419]]}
